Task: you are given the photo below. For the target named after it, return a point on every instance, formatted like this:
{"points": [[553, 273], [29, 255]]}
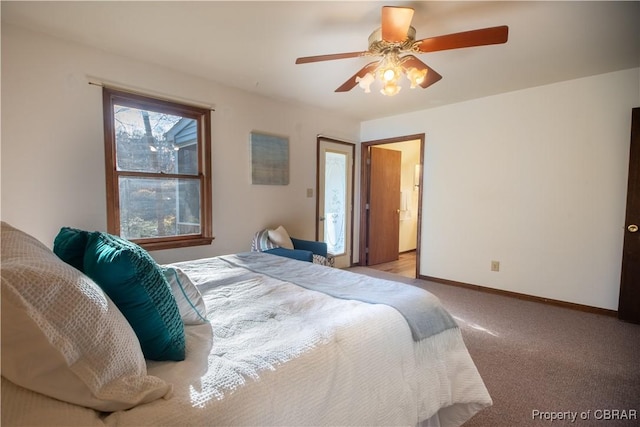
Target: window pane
{"points": [[158, 207], [188, 159], [188, 220], [148, 141], [335, 202]]}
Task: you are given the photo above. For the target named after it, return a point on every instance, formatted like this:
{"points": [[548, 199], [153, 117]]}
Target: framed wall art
{"points": [[269, 159]]}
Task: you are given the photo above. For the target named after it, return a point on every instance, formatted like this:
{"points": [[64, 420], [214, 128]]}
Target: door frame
{"points": [[352, 147], [365, 189]]}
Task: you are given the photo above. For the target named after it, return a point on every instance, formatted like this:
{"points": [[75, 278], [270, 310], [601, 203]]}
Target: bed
{"points": [[266, 340]]}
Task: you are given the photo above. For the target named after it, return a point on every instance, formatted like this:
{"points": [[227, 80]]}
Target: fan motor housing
{"points": [[378, 46]]}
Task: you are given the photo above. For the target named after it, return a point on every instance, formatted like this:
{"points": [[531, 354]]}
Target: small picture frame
{"points": [[269, 159]]}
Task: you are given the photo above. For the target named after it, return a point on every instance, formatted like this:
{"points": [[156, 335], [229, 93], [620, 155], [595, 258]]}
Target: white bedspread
{"points": [[275, 353]]}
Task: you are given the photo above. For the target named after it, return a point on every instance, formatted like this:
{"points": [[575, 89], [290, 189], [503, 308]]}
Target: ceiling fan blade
{"points": [[482, 37], [318, 58], [432, 76], [395, 23], [351, 83]]}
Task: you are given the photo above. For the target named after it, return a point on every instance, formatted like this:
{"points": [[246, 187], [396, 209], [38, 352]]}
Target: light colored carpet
{"points": [[538, 357]]}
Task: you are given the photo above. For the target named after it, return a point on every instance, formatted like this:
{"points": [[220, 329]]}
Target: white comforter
{"points": [[275, 353]]}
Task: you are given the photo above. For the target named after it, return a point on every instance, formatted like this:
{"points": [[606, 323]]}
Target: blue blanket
{"points": [[422, 310]]}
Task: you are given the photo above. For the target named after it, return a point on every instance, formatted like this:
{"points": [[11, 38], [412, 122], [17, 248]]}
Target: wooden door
{"points": [[383, 237], [629, 303]]}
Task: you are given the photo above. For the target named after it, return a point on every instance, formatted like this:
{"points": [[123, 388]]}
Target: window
{"points": [[158, 163]]}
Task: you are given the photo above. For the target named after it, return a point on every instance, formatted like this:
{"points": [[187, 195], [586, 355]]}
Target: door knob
{"points": [[632, 228]]}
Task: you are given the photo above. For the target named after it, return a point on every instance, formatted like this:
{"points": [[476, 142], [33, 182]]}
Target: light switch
{"points": [[309, 192]]}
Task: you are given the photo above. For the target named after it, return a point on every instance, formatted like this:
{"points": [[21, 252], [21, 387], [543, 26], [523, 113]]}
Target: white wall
{"points": [[535, 179], [53, 155]]}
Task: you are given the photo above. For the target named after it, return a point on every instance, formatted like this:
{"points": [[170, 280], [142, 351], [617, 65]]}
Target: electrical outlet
{"points": [[495, 265]]}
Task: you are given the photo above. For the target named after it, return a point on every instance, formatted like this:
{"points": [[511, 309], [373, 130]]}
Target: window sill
{"points": [[173, 243]]}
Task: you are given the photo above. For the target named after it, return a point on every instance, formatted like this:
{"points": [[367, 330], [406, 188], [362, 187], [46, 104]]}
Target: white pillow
{"points": [[63, 337], [190, 302], [280, 237]]}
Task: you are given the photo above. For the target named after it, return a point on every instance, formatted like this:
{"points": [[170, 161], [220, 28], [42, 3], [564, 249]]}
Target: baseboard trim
{"points": [[549, 301]]}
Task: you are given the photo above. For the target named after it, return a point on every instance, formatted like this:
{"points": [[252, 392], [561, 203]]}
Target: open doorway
{"points": [[390, 206]]}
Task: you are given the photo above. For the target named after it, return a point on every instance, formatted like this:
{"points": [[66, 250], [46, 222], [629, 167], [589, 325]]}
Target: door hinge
{"points": [[366, 206]]}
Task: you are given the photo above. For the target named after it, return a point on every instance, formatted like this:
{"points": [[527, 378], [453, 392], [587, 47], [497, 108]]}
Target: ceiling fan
{"points": [[395, 38]]}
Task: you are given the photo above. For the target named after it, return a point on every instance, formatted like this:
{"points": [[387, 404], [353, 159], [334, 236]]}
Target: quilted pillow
{"points": [[280, 237], [63, 337], [70, 244], [187, 296], [135, 283]]}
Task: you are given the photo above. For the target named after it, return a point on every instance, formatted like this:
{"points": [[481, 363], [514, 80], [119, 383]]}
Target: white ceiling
{"points": [[253, 45]]}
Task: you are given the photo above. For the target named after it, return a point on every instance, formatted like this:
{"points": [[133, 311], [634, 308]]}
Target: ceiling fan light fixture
{"points": [[365, 82], [390, 74], [390, 89], [390, 69], [416, 77]]}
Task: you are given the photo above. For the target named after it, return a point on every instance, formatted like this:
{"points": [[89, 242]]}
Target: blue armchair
{"points": [[278, 242]]}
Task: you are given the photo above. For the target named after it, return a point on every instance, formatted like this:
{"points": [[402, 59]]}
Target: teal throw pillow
{"points": [[69, 245], [137, 286]]}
